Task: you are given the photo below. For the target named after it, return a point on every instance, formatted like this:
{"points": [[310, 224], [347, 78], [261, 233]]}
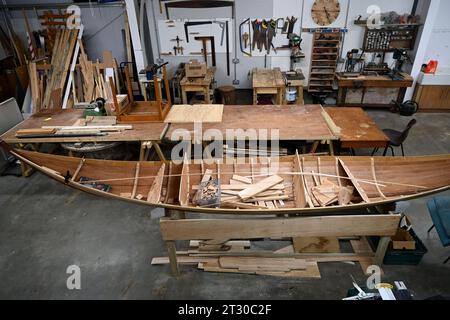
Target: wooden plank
{"points": [[241, 179], [195, 113], [261, 186], [183, 195], [355, 182], [255, 263], [136, 181], [77, 171], [207, 176], [154, 195], [182, 260], [329, 226], [316, 244], [244, 186]]}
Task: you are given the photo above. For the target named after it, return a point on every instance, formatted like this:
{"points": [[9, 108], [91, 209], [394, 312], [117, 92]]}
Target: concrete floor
{"points": [[45, 227]]}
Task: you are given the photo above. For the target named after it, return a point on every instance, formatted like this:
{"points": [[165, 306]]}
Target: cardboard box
{"points": [[195, 69]]}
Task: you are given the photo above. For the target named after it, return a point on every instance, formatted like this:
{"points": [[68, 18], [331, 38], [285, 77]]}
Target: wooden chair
{"points": [[396, 138]]}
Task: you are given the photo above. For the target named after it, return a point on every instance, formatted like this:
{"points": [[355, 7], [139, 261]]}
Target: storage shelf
{"points": [[324, 84]]}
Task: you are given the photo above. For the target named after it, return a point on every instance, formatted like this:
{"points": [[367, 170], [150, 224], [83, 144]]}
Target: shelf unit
{"points": [[324, 60]]}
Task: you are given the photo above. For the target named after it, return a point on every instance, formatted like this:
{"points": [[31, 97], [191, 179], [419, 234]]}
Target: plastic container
{"points": [[291, 94], [402, 257]]}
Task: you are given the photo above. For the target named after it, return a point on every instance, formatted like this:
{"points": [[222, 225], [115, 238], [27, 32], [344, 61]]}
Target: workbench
{"points": [[358, 130], [371, 90], [268, 82], [147, 134], [294, 123], [204, 85]]}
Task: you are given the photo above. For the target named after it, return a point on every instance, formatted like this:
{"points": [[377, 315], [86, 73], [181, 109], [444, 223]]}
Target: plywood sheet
{"points": [[195, 113]]}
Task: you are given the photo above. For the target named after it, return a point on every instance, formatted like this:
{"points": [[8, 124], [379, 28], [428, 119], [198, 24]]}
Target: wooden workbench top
{"points": [[373, 80], [140, 132], [267, 78], [206, 81], [358, 130], [295, 123]]}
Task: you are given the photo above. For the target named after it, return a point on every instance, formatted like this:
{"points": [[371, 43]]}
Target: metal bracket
{"points": [[159, 60], [236, 82], [236, 61]]}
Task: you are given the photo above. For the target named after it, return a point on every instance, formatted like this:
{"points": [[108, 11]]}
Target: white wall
{"points": [[276, 9], [439, 42]]}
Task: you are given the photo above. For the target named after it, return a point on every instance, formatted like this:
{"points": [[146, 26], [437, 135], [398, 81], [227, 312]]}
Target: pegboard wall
{"points": [[169, 30]]}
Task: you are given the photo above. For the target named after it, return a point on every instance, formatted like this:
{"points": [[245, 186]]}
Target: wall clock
{"points": [[325, 12]]}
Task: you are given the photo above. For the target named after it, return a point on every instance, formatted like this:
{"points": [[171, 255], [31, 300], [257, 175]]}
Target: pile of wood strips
{"points": [[297, 260], [243, 193]]}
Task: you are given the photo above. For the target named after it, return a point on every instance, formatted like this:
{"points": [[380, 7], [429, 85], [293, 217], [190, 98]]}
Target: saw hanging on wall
{"points": [[198, 4]]}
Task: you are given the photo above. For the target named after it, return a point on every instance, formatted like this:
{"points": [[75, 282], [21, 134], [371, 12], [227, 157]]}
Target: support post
{"points": [[172, 250], [381, 250]]}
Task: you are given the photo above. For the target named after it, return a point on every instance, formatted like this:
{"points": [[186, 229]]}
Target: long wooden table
{"points": [[358, 130], [371, 90], [295, 123], [141, 132]]}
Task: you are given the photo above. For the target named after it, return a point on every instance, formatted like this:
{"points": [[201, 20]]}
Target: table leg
{"points": [[330, 144], [159, 151], [207, 96], [172, 250], [255, 97], [184, 96], [300, 99], [280, 96], [142, 151], [143, 90], [381, 251]]}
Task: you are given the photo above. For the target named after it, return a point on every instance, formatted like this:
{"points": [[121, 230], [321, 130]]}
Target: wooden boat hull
{"points": [[400, 179]]}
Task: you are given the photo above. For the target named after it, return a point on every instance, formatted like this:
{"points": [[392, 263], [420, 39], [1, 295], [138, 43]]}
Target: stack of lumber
{"points": [[90, 82], [217, 256], [86, 128], [243, 193], [225, 256], [56, 79], [328, 193]]}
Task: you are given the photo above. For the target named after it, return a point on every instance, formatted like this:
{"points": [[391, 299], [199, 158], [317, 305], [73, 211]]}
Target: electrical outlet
{"points": [[235, 61], [236, 82]]}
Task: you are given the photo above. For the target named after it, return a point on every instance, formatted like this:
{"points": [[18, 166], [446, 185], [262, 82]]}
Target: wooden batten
{"points": [[374, 176], [77, 171], [183, 195], [300, 196], [154, 195], [136, 180], [309, 197], [355, 182]]}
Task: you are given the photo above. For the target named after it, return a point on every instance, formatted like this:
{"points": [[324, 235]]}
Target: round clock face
{"points": [[325, 12]]}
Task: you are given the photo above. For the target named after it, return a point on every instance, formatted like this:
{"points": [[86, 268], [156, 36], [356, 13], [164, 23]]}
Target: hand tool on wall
{"points": [[241, 36], [204, 40], [178, 40], [198, 4], [256, 25], [193, 23], [271, 33], [262, 38], [222, 26], [227, 48], [292, 22], [245, 37]]}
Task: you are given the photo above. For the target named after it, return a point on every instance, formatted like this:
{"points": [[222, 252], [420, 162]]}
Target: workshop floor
{"points": [[46, 227]]}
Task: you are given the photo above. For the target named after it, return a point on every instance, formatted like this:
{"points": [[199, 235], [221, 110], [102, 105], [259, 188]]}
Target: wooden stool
{"points": [[227, 95]]}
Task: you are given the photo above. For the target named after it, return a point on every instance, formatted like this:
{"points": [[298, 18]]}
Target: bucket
{"points": [[291, 94]]}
